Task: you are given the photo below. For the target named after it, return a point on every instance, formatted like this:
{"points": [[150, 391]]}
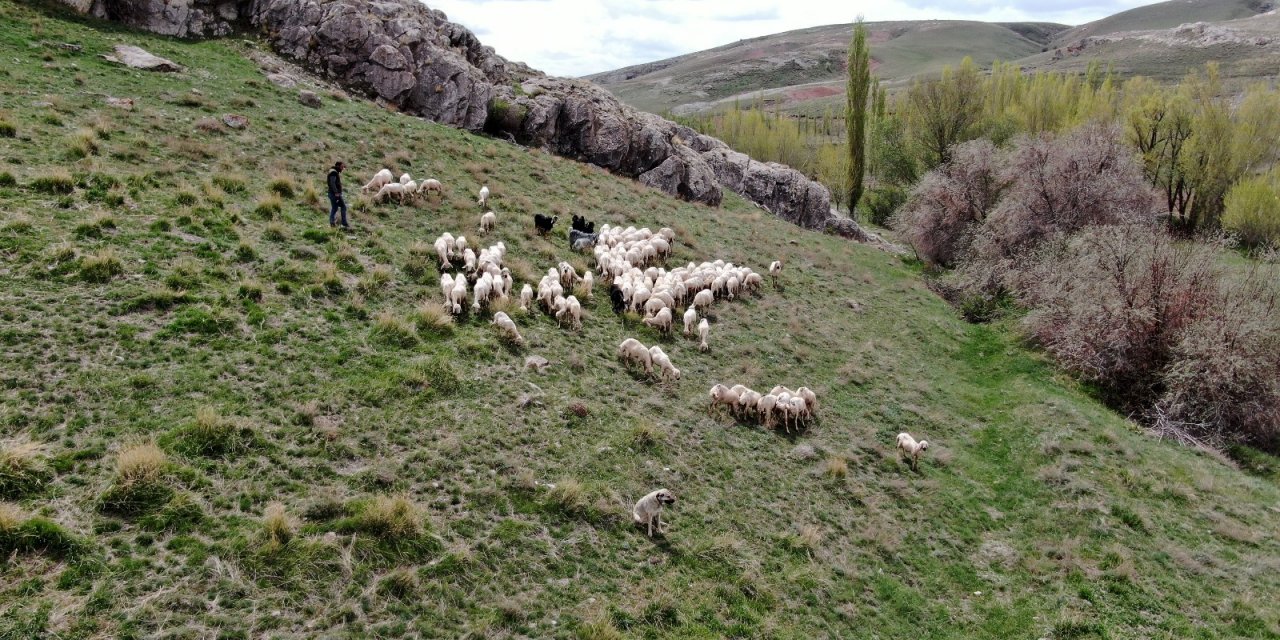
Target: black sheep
{"points": [[615, 296]]}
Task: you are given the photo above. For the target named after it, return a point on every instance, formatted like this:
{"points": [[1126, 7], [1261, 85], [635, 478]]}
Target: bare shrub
{"points": [[1057, 186], [942, 210], [1111, 303]]}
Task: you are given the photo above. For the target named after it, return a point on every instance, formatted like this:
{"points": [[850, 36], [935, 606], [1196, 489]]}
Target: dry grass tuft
{"points": [[836, 467], [278, 526], [23, 468], [392, 517]]}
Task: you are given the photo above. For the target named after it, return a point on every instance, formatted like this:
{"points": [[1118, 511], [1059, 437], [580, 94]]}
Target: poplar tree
{"points": [[855, 111]]}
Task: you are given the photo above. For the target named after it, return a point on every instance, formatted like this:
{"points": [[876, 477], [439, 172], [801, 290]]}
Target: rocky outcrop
{"points": [[405, 54]]}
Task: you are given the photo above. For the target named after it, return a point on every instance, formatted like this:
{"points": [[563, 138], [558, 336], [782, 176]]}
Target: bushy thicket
{"points": [[1253, 211], [1064, 225]]}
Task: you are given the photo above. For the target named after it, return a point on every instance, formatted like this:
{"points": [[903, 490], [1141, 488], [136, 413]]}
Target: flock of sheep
{"points": [[629, 260]]}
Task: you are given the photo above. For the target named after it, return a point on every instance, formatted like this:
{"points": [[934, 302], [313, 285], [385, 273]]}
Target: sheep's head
{"points": [[924, 444], [665, 497]]}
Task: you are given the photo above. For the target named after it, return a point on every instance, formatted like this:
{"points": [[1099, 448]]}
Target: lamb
{"points": [[543, 223], [380, 178], [508, 326], [909, 446], [703, 330], [660, 321], [690, 318], [648, 511], [775, 270], [632, 349], [526, 297], [488, 221], [431, 184], [484, 196]]}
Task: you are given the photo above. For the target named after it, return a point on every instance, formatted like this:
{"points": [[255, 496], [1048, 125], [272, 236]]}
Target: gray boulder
{"points": [[310, 99], [138, 58]]}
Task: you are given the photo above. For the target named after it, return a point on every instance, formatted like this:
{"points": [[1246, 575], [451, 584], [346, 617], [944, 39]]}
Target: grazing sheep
{"points": [[664, 363], [752, 282], [380, 179], [775, 270], [648, 511], [543, 223], [568, 275], [460, 245], [723, 396], [446, 286], [588, 282], [458, 296], [810, 398], [388, 190], [633, 350], [909, 446], [526, 297], [483, 289], [765, 407], [690, 320], [405, 178], [703, 299], [508, 326], [442, 252], [703, 330], [431, 184], [660, 321], [572, 310], [484, 196], [488, 221]]}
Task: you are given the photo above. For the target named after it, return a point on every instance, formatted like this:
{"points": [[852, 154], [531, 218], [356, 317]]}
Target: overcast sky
{"points": [[579, 37]]}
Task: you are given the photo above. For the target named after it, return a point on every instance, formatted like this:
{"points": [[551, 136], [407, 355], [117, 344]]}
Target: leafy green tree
{"points": [[855, 111]]}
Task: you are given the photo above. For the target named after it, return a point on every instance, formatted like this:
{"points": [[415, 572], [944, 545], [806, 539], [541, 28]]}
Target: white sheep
{"points": [[690, 320], [660, 321], [765, 407], [810, 398], [484, 196], [388, 190], [703, 299], [723, 396], [588, 281], [633, 350], [431, 184], [572, 310], [909, 446], [380, 178], [488, 221], [526, 297], [442, 252], [775, 270], [508, 326], [446, 286], [568, 275], [458, 296], [482, 289], [704, 329], [664, 363], [405, 178]]}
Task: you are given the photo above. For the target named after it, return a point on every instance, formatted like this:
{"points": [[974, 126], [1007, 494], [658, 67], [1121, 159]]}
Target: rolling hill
{"points": [[220, 418], [802, 70]]}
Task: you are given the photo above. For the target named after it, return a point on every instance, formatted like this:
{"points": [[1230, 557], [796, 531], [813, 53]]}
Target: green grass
{"points": [[1070, 521]]}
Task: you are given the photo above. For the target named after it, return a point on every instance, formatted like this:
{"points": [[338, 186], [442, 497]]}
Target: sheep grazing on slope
{"points": [[380, 179], [663, 362], [508, 327], [446, 287], [660, 321], [690, 320], [431, 184], [405, 178], [570, 310], [488, 221], [632, 350], [526, 297], [648, 511], [484, 196], [543, 223], [722, 396], [908, 445], [588, 283], [389, 190], [442, 252], [458, 296], [704, 329]]}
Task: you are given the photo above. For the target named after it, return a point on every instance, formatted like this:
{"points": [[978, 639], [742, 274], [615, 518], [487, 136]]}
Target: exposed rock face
{"points": [[408, 55]]}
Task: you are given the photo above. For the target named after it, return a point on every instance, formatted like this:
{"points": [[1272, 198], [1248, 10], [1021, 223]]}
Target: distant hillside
{"points": [[803, 71], [809, 63], [1166, 15]]}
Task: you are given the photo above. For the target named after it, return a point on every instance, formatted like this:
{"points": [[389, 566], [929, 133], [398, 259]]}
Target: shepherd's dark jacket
{"points": [[335, 184]]}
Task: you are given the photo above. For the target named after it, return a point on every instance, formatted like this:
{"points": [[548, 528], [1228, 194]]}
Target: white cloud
{"points": [[578, 37]]}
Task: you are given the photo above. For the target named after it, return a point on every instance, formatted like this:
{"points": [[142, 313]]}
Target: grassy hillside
{"points": [[1165, 15], [808, 64], [154, 291]]}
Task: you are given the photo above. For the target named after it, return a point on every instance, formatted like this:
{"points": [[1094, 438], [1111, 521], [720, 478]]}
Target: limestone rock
{"points": [[138, 58]]}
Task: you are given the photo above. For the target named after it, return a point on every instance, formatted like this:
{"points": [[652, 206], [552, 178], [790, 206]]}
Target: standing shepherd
{"points": [[335, 194]]}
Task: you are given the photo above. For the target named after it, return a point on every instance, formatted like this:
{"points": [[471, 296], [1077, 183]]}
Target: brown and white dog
{"points": [[648, 511]]}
